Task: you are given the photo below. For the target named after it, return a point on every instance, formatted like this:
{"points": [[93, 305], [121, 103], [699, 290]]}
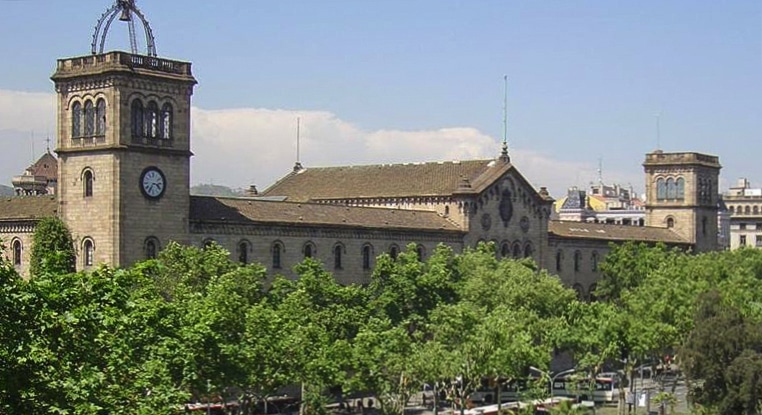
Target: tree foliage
{"points": [[52, 248]]}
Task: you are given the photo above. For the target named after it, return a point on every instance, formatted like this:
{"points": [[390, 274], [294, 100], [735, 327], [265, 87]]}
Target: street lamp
{"points": [[552, 379]]}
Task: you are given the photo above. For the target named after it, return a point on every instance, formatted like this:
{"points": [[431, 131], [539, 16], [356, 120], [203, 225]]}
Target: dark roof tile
{"points": [[27, 207], [611, 232]]}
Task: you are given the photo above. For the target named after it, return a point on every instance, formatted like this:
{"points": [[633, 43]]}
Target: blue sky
{"points": [[415, 80]]}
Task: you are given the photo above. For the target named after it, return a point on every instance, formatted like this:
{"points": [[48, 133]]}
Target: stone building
{"points": [[744, 205], [123, 167]]}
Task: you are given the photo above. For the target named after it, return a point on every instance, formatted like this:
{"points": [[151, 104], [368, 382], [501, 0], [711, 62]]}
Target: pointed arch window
{"points": [[394, 251], [138, 119], [366, 254], [88, 250], [17, 252], [166, 121], [661, 189], [309, 250], [243, 252], [76, 120], [421, 252], [87, 183], [100, 117], [89, 119], [277, 251], [337, 256], [152, 120], [505, 250], [516, 250], [528, 251], [151, 247]]}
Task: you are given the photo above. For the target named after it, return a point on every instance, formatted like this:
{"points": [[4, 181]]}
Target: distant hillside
{"points": [[6, 190], [214, 190]]}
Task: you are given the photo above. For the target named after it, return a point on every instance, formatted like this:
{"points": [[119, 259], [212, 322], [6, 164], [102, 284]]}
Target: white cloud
{"points": [[242, 146]]}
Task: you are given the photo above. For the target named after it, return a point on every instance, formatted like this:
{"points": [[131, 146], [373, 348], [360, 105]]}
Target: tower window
{"points": [[366, 252], [89, 119], [76, 120], [87, 183], [337, 257], [703, 225], [671, 189], [138, 120], [152, 120], [277, 249], [100, 117], [151, 247], [88, 249], [670, 223], [661, 189], [680, 184], [243, 252], [166, 121], [17, 252]]}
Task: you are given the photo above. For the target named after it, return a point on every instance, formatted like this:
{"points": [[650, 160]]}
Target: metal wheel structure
{"points": [[127, 12]]}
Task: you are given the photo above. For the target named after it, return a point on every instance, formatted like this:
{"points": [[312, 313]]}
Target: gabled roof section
{"points": [[47, 166], [27, 207], [251, 211], [384, 180], [614, 233]]}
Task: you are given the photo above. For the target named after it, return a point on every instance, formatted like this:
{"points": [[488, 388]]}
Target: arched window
{"points": [[670, 223], [88, 249], [277, 250], [516, 250], [366, 254], [594, 262], [152, 119], [680, 188], [580, 291], [207, 243], [661, 189], [138, 119], [394, 250], [76, 120], [747, 210], [100, 117], [151, 247], [505, 250], [89, 119], [528, 251], [243, 252], [309, 250], [591, 292], [166, 121], [577, 260], [17, 252], [87, 183], [559, 259], [421, 251], [337, 256], [671, 189], [756, 210]]}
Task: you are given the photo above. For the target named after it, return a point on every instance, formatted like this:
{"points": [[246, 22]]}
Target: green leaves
{"points": [[52, 248]]}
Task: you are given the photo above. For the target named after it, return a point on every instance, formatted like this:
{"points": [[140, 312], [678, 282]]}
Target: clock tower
{"points": [[123, 146]]}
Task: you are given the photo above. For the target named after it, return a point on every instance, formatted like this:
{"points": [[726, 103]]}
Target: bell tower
{"points": [[123, 146], [682, 194]]}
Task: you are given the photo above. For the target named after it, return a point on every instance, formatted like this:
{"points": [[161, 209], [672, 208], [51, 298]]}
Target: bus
{"points": [[605, 388]]}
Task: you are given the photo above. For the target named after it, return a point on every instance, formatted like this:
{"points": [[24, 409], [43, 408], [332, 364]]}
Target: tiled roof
{"points": [[27, 207], [385, 180], [47, 166], [611, 232], [244, 211]]}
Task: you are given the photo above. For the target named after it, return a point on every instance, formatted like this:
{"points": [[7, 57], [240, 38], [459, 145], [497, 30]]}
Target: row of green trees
{"points": [[193, 325]]}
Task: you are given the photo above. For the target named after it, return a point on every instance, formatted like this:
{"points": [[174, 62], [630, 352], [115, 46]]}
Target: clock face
{"points": [[152, 183]]}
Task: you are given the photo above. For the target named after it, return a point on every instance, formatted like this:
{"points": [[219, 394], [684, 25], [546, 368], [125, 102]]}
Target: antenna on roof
{"points": [[600, 170], [504, 152], [298, 164]]}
